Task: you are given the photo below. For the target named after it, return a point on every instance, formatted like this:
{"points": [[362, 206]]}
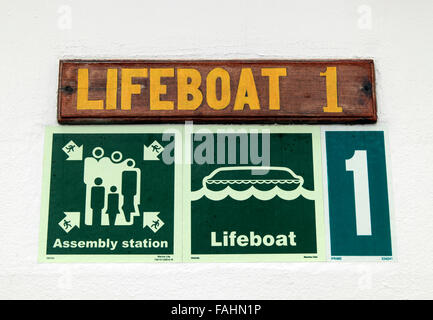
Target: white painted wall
{"points": [[34, 35]]}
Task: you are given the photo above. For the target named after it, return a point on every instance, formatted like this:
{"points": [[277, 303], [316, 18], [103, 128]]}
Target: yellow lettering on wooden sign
{"points": [[128, 89], [111, 94], [211, 98], [188, 84], [274, 75], [247, 92], [83, 102], [156, 89], [331, 90]]}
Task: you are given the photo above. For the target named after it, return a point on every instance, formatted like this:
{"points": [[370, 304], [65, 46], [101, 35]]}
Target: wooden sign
{"points": [[250, 91]]}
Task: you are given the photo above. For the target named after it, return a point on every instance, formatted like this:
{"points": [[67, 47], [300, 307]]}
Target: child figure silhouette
{"points": [[112, 206]]}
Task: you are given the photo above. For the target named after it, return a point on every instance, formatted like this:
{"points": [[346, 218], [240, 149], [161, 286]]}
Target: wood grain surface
{"points": [[302, 92]]}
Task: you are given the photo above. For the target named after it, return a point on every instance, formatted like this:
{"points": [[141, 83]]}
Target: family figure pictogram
{"points": [[112, 189], [98, 198]]}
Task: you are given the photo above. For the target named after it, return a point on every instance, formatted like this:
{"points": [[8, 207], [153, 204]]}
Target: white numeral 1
{"points": [[358, 165]]}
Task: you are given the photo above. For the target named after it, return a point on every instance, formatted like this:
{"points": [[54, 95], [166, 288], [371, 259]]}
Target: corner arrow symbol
{"points": [[71, 220], [73, 151], [149, 155], [151, 220], [77, 155]]}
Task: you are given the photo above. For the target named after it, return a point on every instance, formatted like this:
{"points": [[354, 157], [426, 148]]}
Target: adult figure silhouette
{"points": [[97, 201], [129, 189], [113, 205]]}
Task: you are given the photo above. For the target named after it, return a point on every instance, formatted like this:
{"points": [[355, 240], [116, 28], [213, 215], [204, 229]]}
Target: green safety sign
{"points": [[109, 196], [257, 197], [192, 193], [359, 212]]}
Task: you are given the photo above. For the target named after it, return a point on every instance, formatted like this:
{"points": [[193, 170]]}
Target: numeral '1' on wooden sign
{"points": [[331, 90]]}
